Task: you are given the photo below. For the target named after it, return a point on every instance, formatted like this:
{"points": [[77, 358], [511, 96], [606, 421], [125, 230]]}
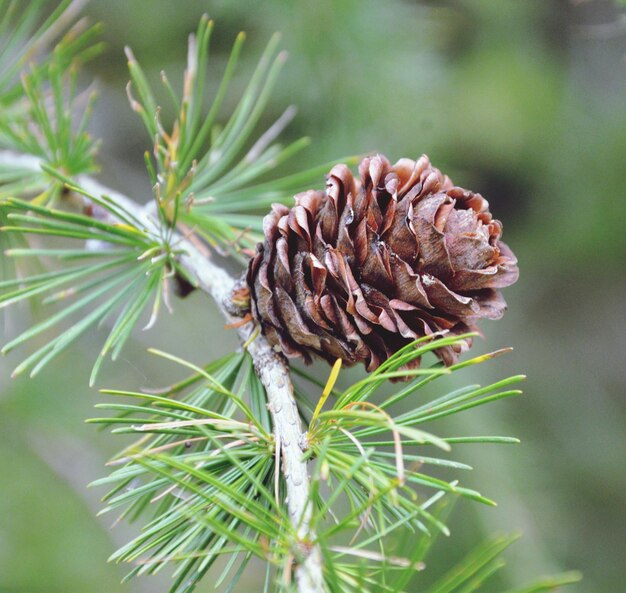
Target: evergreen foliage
{"points": [[204, 475]]}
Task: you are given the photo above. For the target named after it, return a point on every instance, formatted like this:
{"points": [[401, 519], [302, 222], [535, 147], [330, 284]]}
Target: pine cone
{"points": [[364, 268]]}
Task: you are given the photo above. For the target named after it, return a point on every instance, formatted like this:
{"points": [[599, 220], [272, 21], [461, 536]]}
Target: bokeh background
{"points": [[522, 101]]}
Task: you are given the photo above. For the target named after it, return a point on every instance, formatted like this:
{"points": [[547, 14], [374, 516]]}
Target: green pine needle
{"points": [[211, 174], [117, 284]]}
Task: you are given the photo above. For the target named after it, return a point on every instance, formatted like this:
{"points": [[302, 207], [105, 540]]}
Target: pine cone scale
{"points": [[407, 284]]}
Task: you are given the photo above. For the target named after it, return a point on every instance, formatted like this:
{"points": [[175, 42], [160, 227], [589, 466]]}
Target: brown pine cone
{"points": [[362, 269]]}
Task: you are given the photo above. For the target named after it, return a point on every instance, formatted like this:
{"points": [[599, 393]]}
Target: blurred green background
{"points": [[522, 101]]}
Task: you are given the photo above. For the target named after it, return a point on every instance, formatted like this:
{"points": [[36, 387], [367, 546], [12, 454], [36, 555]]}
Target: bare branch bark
{"points": [[270, 366]]}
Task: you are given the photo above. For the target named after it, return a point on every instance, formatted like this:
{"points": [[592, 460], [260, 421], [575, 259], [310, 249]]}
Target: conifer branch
{"points": [[270, 366], [206, 454]]}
